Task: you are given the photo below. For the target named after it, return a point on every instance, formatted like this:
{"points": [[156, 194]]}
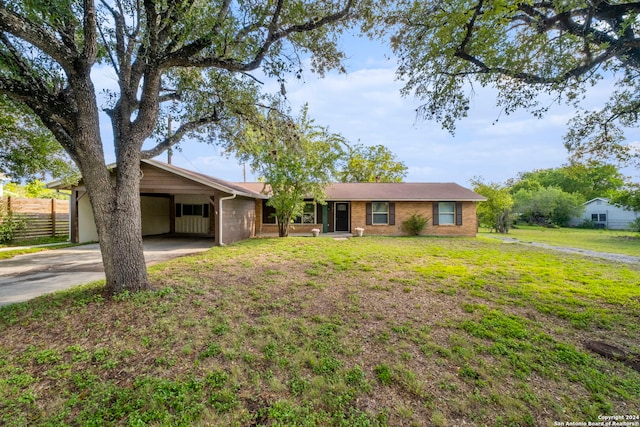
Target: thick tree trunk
{"points": [[116, 209], [115, 200]]}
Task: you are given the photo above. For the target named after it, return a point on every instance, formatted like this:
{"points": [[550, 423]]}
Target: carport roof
{"points": [[219, 184], [209, 181]]}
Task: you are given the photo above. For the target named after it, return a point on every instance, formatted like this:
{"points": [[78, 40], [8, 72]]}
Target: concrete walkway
{"points": [[27, 276]]}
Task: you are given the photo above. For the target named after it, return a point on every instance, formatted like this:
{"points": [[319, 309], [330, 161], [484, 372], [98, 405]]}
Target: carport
{"points": [[177, 201]]}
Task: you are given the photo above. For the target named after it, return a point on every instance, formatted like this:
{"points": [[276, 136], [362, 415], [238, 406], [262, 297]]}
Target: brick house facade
{"points": [[381, 208]]}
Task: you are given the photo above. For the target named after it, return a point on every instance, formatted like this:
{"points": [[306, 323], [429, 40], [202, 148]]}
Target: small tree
{"points": [[548, 206], [495, 213], [295, 157], [414, 225]]}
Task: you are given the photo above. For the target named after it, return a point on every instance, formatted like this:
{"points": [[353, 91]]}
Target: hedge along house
{"points": [[180, 202], [381, 208]]}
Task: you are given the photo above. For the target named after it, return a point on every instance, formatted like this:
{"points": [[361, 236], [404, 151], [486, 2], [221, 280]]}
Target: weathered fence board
{"points": [[43, 217]]}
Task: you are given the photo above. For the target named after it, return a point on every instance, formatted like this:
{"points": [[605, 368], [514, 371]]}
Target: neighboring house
{"points": [[381, 208], [178, 201], [606, 215]]}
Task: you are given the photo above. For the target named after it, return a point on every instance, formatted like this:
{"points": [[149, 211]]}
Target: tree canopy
{"points": [[588, 180], [524, 50], [28, 150], [371, 164], [191, 59], [296, 158]]}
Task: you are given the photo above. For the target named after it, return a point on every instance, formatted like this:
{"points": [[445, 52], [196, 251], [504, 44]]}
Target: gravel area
{"points": [[628, 259]]}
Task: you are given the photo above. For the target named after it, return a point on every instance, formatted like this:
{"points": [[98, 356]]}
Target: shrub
{"points": [[9, 224], [415, 224], [635, 225], [588, 224]]}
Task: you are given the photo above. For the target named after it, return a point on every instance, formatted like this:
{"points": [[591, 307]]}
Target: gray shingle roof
{"points": [[391, 191]]}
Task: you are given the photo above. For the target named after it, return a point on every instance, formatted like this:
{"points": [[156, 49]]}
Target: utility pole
{"points": [[169, 153]]}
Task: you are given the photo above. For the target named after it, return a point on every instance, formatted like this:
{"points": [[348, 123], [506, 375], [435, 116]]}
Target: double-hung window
{"points": [[447, 213], [380, 211]]}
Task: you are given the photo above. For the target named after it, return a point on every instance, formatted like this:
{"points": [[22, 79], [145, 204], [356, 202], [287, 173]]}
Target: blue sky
{"points": [[365, 106]]}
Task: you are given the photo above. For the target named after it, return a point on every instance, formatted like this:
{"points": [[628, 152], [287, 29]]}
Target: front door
{"points": [[342, 216]]}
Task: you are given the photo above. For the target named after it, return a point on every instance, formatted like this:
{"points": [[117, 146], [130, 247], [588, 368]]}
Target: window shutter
{"points": [[392, 214], [205, 210], [459, 213], [369, 214], [178, 210], [436, 214]]}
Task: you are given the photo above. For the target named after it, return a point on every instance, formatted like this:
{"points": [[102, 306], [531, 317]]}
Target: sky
{"points": [[365, 106]]}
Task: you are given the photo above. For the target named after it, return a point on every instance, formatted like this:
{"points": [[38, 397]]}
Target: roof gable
{"points": [[209, 181]]}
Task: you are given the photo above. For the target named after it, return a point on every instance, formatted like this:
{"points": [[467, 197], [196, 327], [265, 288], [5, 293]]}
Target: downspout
{"points": [[232, 196]]}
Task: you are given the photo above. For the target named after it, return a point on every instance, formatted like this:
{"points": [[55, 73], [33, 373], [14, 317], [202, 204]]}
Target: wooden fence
{"points": [[43, 217]]}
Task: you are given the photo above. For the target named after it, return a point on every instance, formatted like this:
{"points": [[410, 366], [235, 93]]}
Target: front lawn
{"points": [[367, 331], [612, 241]]}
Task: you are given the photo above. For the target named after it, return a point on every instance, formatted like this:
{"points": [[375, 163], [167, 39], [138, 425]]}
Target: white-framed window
{"points": [[308, 215], [380, 212], [186, 209], [599, 217], [447, 213]]}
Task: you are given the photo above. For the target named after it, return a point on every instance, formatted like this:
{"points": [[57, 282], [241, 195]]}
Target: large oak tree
{"points": [[525, 49], [187, 58]]}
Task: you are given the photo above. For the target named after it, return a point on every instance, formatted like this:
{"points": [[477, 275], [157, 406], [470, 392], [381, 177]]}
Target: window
{"points": [[599, 217], [192, 210], [308, 215], [446, 213], [268, 213], [380, 211]]}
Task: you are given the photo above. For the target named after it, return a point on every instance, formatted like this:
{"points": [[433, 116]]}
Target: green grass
{"points": [[35, 241], [7, 252], [613, 241], [369, 331]]}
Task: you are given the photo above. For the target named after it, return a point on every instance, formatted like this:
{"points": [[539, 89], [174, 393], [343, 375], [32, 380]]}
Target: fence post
{"points": [[53, 217]]}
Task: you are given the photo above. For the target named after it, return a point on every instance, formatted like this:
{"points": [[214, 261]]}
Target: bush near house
{"points": [[415, 224]]}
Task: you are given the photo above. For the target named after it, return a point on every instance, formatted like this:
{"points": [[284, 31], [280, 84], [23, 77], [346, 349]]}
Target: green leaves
{"points": [[27, 148], [524, 50], [294, 156], [371, 164]]}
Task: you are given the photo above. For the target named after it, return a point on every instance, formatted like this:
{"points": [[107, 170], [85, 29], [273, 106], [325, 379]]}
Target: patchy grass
{"points": [[35, 241], [362, 332], [6, 254], [613, 241]]}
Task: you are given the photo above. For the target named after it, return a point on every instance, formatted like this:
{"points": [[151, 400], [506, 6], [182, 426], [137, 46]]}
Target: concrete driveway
{"points": [[27, 276]]}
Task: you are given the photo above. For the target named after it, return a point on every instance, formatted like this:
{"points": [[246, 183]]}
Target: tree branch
{"points": [[173, 139], [186, 55], [38, 36]]}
